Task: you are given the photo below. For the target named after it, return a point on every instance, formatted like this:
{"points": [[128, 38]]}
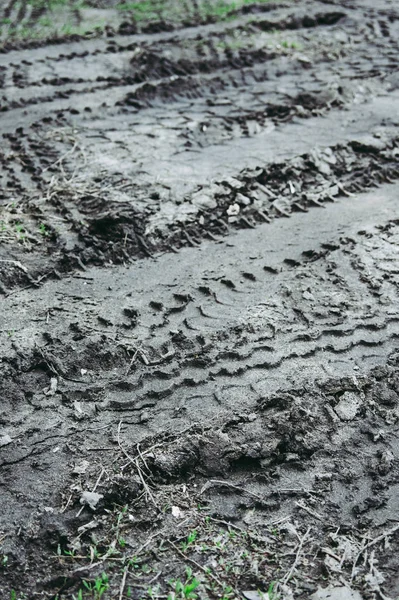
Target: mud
{"points": [[199, 292]]}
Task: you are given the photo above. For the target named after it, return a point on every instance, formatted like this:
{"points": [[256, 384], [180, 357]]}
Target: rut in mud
{"points": [[200, 318]]}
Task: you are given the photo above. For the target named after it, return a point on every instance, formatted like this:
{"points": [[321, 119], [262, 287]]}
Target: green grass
{"points": [[58, 18], [149, 10], [94, 590], [185, 589]]}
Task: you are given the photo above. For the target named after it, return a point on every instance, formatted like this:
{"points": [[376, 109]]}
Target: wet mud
{"points": [[199, 244]]}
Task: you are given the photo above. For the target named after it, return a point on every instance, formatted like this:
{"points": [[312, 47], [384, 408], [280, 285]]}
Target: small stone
{"points": [[204, 201], [91, 499], [176, 512], [243, 200], [81, 468], [53, 387], [303, 59], [144, 417], [348, 406], [386, 396], [5, 440], [249, 595], [386, 462], [233, 210]]}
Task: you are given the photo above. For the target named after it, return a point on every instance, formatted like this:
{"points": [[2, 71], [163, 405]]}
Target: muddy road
{"points": [[199, 262]]}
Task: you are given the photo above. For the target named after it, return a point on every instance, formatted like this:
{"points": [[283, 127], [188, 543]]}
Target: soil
{"points": [[199, 290]]}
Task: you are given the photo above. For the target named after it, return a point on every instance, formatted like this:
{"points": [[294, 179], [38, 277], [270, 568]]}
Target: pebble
{"points": [[348, 406]]}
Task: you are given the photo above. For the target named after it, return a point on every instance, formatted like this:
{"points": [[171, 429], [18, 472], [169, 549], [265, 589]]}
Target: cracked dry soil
{"points": [[199, 245]]}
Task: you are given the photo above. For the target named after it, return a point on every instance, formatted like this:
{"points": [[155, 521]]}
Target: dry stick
{"points": [[87, 567], [234, 487], [16, 263], [67, 504], [143, 546], [216, 579], [142, 458], [255, 537], [345, 191], [147, 489], [61, 159], [123, 582], [171, 437], [136, 464], [288, 576], [309, 511], [228, 524], [372, 543], [132, 361]]}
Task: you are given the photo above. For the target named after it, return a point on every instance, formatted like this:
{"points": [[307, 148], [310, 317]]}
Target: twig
{"points": [[344, 191], [135, 463], [61, 159], [288, 576], [230, 485], [16, 263], [310, 511], [192, 561], [123, 582], [132, 361], [87, 567], [142, 458], [150, 539], [372, 543], [67, 504]]}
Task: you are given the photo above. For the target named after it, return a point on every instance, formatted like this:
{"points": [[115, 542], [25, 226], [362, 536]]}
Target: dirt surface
{"points": [[199, 249]]}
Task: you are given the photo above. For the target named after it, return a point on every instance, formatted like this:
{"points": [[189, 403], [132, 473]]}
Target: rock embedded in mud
{"points": [[5, 440], [249, 595], [204, 201], [91, 499], [348, 406], [386, 461], [385, 395]]}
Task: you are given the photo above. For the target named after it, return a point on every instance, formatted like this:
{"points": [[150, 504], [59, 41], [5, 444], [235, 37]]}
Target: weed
{"points": [[45, 22], [192, 536], [98, 587], [228, 593], [148, 10], [272, 594], [43, 230], [293, 45], [146, 569], [184, 589], [19, 228], [20, 596]]}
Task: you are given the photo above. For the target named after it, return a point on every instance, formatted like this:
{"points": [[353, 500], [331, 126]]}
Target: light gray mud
{"points": [[200, 318]]}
